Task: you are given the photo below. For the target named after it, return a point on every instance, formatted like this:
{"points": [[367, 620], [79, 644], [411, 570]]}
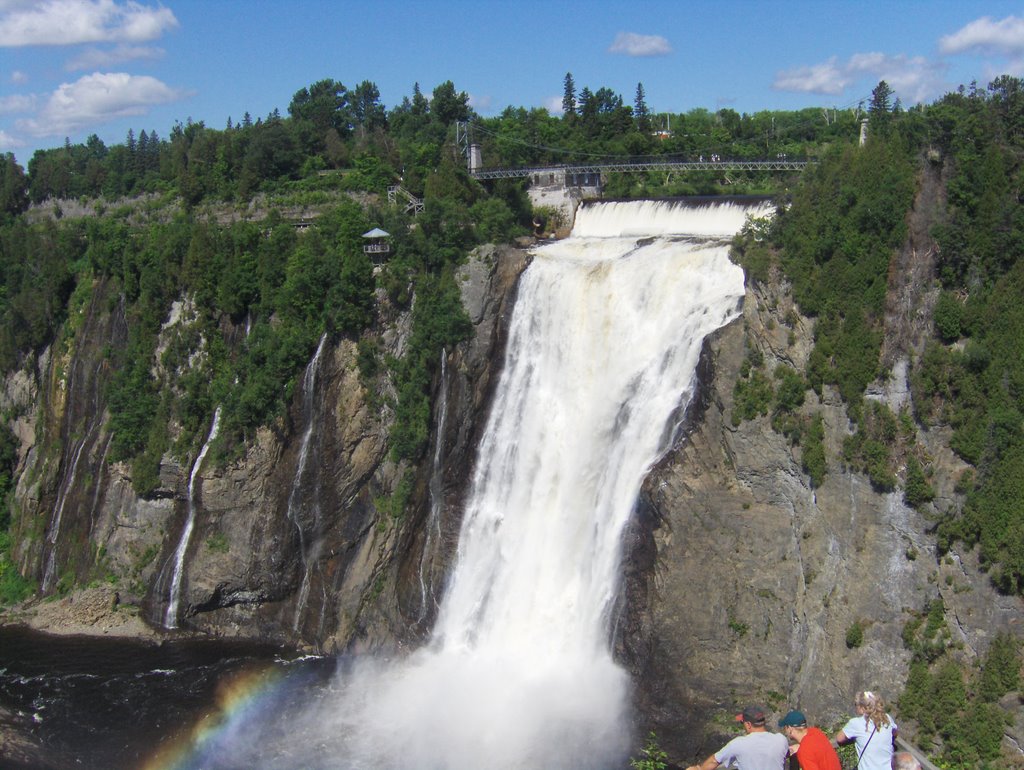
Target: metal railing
{"points": [[644, 165]]}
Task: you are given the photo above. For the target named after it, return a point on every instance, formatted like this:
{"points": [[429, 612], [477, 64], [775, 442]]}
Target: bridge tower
{"points": [[469, 149]]}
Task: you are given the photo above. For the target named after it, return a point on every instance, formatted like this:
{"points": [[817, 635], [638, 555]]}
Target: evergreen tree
{"points": [[13, 186], [420, 105], [641, 114], [569, 96], [880, 110], [881, 99]]}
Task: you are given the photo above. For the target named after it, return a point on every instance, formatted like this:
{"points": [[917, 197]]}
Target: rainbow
{"points": [[240, 698]]}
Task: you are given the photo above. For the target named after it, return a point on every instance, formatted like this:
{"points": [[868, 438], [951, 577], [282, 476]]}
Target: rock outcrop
{"points": [[347, 575]]}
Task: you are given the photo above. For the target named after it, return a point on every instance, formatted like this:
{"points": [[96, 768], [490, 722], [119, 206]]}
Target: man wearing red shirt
{"points": [[813, 748]]}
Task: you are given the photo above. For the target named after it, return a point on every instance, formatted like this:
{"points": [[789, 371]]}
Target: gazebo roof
{"points": [[376, 233]]}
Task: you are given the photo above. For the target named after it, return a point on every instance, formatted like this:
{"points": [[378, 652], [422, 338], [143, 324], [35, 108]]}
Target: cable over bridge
{"points": [[600, 167]]}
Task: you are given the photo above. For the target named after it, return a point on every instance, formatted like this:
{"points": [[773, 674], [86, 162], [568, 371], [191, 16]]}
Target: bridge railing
{"points": [[643, 165]]}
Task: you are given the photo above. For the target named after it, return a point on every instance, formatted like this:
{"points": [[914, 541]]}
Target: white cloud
{"points": [[632, 44], [71, 22], [985, 35], [825, 78], [18, 77], [17, 103], [96, 99], [553, 104], [96, 58], [913, 79], [480, 103], [8, 142]]}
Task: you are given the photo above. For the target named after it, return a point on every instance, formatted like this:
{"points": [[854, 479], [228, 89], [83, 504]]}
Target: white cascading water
{"points": [[602, 351], [433, 525], [53, 536], [307, 552], [174, 595]]}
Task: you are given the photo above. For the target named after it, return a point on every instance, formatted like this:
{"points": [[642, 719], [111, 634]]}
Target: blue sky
{"points": [[71, 68]]}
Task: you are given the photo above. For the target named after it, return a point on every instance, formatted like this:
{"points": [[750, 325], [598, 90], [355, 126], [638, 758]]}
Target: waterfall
{"points": [[518, 673], [433, 527], [91, 416], [307, 553], [62, 497], [171, 616]]}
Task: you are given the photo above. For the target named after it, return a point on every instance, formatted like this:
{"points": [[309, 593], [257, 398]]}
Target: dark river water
{"points": [[109, 704]]}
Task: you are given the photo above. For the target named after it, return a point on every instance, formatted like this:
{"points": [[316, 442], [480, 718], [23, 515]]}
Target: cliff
{"points": [[741, 578], [745, 579], [297, 539]]}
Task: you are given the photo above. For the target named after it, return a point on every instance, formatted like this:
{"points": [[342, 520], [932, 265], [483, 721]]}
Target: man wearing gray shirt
{"points": [[757, 750]]}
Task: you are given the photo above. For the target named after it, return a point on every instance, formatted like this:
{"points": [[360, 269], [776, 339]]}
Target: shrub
{"points": [[917, 491], [751, 397], [855, 635], [651, 756], [947, 316], [813, 450]]}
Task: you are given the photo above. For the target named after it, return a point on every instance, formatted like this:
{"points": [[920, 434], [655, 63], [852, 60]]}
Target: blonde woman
{"points": [[873, 730]]}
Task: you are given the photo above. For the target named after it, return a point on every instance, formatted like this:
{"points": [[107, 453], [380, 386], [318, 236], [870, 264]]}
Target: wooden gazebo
{"points": [[377, 245]]}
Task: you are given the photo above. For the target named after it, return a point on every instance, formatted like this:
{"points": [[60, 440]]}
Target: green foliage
{"points": [[752, 248], [948, 316], [869, 450], [834, 244], [753, 391], [969, 726], [1000, 671], [855, 635], [218, 543], [394, 504], [13, 187], [751, 397], [916, 491], [13, 587], [926, 635], [813, 455], [8, 463], [36, 281], [439, 322], [651, 756]]}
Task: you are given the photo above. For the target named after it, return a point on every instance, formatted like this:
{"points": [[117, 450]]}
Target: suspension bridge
{"points": [[589, 174], [634, 165]]}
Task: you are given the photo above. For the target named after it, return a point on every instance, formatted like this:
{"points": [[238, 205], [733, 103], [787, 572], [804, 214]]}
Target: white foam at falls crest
{"points": [[603, 347], [638, 218]]}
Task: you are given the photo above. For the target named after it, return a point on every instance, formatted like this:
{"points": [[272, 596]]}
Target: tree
{"points": [[880, 109], [448, 106], [641, 114], [13, 186], [569, 96], [324, 104], [420, 105], [881, 99], [367, 111]]}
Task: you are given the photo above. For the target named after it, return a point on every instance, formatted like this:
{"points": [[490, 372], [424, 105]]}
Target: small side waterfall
{"points": [[88, 418], [306, 493], [174, 596], [433, 524], [53, 535]]}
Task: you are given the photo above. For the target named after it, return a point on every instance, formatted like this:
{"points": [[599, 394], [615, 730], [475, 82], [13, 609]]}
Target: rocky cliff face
{"points": [[744, 580], [291, 541]]}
